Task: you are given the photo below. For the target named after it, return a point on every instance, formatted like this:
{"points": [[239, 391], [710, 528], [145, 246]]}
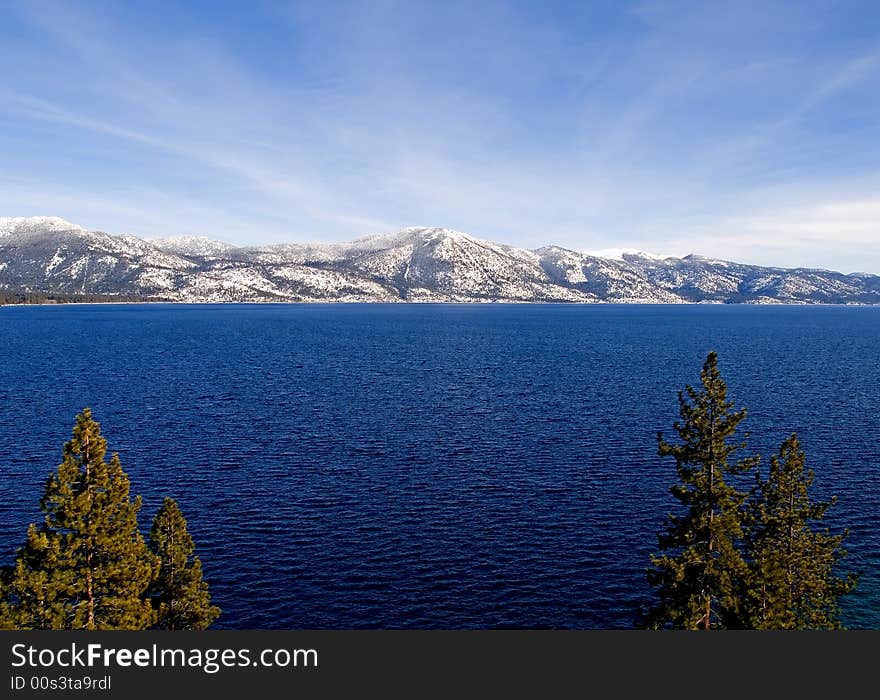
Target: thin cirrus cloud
{"points": [[801, 235], [730, 129]]}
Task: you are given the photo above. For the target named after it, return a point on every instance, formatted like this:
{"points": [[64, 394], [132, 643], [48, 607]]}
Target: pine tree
{"points": [[179, 594], [698, 579], [6, 622], [792, 584], [36, 586], [86, 566]]}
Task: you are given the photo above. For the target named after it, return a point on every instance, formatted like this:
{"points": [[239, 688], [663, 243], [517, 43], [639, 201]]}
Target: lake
{"points": [[431, 466]]}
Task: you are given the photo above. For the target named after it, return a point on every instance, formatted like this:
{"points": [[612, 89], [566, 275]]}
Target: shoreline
{"points": [[403, 302]]}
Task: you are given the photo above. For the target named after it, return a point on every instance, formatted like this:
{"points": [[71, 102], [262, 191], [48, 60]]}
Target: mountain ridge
{"points": [[416, 264]]}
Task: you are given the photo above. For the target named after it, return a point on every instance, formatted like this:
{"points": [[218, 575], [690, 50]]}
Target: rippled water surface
{"points": [[445, 466]]}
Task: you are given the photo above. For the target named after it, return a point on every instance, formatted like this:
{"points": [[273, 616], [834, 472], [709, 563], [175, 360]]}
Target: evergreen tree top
{"points": [[708, 423], [736, 559], [87, 566], [169, 531], [179, 593]]}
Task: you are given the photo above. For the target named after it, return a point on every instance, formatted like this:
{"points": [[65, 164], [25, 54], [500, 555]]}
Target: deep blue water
{"points": [[346, 466]]}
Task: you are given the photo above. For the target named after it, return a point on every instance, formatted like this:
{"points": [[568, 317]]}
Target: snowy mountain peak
{"points": [[438, 232], [192, 245], [48, 254], [10, 225], [421, 233], [705, 260], [410, 236], [623, 253]]}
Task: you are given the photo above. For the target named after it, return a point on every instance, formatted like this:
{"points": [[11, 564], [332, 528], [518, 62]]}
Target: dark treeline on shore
{"points": [[18, 297]]}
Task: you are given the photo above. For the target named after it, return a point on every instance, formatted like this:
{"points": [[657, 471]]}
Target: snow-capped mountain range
{"points": [[51, 255]]}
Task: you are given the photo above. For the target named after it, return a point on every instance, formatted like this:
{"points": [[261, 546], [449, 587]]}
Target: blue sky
{"points": [[744, 130]]}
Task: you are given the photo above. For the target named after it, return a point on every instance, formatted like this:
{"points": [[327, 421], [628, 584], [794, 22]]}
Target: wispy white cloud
{"points": [[843, 230]]}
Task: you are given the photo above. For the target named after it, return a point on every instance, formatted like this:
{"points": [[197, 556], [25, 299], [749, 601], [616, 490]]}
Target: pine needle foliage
{"points": [[179, 594], [86, 566], [697, 577], [741, 559], [792, 583]]}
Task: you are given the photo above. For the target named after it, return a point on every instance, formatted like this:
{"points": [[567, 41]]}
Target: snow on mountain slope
{"points": [[623, 254], [27, 225], [49, 254], [195, 246], [608, 279]]}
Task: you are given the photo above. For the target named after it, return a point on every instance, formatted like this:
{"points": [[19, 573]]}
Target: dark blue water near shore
{"points": [[351, 466]]}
